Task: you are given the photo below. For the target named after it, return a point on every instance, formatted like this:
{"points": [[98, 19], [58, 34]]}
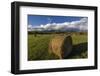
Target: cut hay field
{"points": [[38, 47]]}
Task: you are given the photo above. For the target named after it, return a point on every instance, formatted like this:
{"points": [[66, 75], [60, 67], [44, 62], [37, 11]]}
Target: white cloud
{"points": [[30, 27], [80, 25]]}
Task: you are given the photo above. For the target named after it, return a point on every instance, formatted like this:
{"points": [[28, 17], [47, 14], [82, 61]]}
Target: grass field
{"points": [[38, 47]]}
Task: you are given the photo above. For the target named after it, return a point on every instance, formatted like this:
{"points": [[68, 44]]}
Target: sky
{"points": [[43, 22]]}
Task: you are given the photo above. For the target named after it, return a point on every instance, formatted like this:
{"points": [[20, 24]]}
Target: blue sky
{"points": [[41, 23], [36, 20]]}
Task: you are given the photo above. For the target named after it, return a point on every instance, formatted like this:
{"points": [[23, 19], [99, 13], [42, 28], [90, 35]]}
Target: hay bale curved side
{"points": [[61, 46]]}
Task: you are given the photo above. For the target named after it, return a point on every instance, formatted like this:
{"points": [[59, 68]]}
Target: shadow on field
{"points": [[79, 51]]}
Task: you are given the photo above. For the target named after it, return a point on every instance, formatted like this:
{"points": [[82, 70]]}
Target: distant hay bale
{"points": [[61, 46]]}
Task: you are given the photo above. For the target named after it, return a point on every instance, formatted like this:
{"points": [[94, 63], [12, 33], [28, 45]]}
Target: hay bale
{"points": [[61, 46]]}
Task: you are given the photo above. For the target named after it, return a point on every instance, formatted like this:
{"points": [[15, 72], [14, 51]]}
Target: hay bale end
{"points": [[61, 46]]}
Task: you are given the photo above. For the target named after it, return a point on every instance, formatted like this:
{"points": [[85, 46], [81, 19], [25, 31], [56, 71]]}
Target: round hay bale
{"points": [[61, 46]]}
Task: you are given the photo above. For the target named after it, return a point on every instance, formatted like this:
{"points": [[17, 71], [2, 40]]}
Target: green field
{"points": [[38, 47]]}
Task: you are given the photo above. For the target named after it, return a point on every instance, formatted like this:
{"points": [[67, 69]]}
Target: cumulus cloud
{"points": [[80, 25], [30, 27]]}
